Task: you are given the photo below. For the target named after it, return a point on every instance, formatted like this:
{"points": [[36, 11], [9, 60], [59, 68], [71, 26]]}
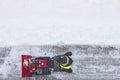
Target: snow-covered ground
{"points": [[90, 62], [39, 22]]}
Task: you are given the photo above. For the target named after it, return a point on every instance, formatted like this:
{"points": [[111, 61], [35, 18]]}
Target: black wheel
{"points": [[39, 71], [43, 71]]}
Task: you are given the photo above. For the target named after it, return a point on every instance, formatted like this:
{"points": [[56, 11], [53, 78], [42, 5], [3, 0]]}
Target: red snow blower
{"points": [[38, 65]]}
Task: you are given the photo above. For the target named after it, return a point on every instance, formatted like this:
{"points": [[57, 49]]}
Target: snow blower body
{"points": [[38, 65]]}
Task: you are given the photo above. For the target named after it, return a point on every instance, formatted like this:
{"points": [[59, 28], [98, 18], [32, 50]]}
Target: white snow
{"points": [[38, 22]]}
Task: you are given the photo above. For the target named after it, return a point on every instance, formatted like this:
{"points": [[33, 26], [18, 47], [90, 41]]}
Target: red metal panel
{"points": [[25, 66], [42, 63]]}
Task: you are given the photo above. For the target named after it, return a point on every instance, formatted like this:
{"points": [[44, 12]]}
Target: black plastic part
{"points": [[68, 54], [67, 70], [43, 71]]}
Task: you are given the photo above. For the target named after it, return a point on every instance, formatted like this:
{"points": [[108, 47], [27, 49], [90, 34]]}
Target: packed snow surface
{"points": [[90, 62]]}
